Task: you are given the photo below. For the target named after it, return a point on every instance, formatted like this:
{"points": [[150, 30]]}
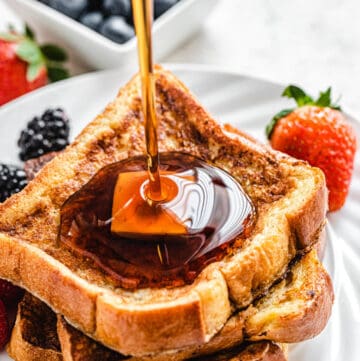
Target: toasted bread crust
{"points": [[77, 347], [294, 309], [293, 324], [34, 336], [29, 223], [20, 350], [260, 351]]}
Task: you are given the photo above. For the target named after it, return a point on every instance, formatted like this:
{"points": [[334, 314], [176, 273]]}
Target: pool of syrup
{"points": [[141, 243]]}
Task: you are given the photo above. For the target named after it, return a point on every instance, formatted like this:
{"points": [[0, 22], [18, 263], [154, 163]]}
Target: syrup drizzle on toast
{"points": [[152, 223], [142, 249]]}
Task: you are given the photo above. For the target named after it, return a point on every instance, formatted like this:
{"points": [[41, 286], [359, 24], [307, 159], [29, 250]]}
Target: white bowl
{"points": [[94, 50]]}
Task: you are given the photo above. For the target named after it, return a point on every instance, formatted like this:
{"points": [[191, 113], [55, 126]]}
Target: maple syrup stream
{"points": [[143, 15]]}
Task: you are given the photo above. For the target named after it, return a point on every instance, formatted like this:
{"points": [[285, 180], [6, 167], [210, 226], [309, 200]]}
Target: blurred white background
{"points": [[314, 43]]}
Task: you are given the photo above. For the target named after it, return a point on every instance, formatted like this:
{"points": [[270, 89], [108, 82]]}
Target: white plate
{"points": [[94, 50], [247, 103]]}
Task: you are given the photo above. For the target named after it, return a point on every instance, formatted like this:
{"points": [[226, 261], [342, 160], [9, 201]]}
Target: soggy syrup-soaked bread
{"points": [[289, 196]]}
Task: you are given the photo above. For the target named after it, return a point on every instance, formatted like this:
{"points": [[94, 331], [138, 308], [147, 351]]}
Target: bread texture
{"points": [[75, 346], [296, 307], [289, 196], [257, 351], [34, 336]]}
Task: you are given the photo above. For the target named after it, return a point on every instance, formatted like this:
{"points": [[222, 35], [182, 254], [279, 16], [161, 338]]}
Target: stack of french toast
{"points": [[269, 290]]}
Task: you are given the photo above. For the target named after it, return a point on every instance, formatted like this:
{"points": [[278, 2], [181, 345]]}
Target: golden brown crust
{"points": [[34, 336], [75, 346], [20, 350], [305, 220], [29, 223], [295, 308], [258, 351], [320, 245], [293, 323]]}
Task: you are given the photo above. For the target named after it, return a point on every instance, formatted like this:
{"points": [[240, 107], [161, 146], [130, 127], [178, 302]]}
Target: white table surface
{"points": [[313, 43]]}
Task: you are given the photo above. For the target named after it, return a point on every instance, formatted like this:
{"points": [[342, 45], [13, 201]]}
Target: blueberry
{"points": [[92, 20], [117, 29], [160, 6], [117, 7], [72, 8]]}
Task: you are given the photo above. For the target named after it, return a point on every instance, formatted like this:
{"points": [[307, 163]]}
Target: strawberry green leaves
{"points": [[48, 56], [53, 52], [55, 56], [33, 71], [28, 51], [10, 37], [298, 94], [301, 99], [324, 100], [29, 33], [57, 73], [270, 127]]}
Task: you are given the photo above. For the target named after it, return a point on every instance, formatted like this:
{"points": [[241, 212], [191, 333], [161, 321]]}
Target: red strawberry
{"points": [[317, 132], [24, 66], [9, 293], [4, 326]]}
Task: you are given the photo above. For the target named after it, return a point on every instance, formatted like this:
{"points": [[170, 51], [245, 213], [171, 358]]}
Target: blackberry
{"points": [[44, 134], [12, 180]]}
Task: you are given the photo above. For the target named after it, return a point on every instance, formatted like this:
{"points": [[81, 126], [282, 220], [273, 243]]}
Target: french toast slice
{"points": [[76, 346], [32, 339], [289, 197], [281, 314]]}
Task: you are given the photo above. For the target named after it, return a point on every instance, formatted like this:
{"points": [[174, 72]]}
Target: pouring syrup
{"points": [[155, 220]]}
